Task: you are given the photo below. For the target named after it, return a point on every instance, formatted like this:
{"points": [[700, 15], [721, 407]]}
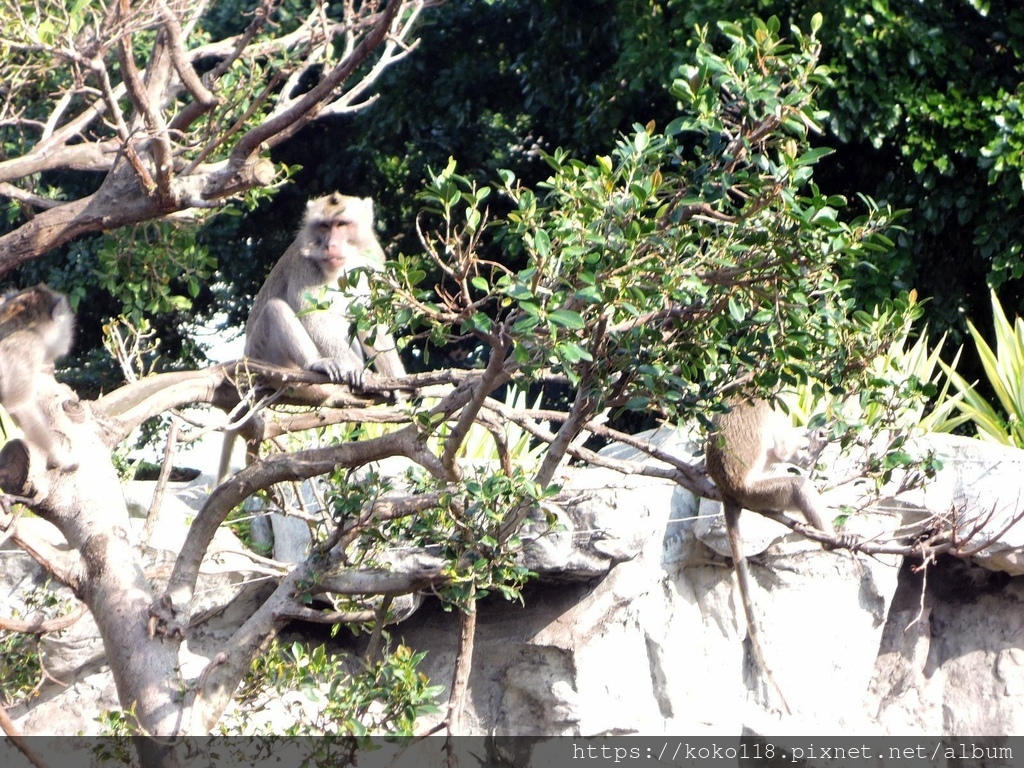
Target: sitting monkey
{"points": [[283, 329]]}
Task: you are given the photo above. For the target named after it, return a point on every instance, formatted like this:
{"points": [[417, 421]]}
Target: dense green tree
{"points": [[925, 114], [693, 258]]}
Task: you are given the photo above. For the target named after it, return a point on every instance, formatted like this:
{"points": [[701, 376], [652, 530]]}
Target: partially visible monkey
{"points": [[743, 453], [36, 327], [283, 328]]}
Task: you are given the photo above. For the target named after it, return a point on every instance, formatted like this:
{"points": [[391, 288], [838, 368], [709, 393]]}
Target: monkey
{"points": [[284, 329], [746, 445], [36, 328], [335, 237]]}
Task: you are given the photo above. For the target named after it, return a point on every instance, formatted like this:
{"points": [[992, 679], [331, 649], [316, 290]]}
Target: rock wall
{"points": [[657, 645], [635, 628], [858, 645]]}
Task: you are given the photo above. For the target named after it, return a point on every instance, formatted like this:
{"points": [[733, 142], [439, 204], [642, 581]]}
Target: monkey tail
{"points": [[224, 467], [732, 527]]}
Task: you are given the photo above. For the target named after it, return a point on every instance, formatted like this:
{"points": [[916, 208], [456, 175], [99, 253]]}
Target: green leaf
{"points": [[811, 156], [527, 324], [479, 322], [573, 353], [736, 310], [567, 319], [542, 243]]}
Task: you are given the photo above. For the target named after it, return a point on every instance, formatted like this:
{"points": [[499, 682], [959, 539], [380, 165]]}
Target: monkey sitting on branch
{"points": [[285, 329], [36, 327], [744, 451]]}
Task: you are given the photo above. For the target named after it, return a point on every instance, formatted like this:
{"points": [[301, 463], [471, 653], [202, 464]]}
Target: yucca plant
{"points": [[480, 446], [901, 376], [1003, 367]]}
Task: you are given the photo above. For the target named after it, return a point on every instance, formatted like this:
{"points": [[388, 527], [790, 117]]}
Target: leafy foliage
{"points": [[349, 698], [664, 271], [21, 669], [924, 114]]}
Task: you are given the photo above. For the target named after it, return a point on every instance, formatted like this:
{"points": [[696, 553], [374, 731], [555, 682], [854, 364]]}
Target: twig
{"points": [[373, 648], [19, 741], [41, 626]]}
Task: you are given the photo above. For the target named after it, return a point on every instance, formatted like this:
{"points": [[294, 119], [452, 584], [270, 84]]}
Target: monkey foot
{"points": [[162, 620]]}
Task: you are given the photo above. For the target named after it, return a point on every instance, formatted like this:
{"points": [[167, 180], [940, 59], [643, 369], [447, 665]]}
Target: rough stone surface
{"points": [[639, 650], [635, 626]]}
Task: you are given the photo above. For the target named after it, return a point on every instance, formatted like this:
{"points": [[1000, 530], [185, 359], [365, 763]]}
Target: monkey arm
{"points": [[314, 342], [31, 419], [339, 353], [275, 335]]}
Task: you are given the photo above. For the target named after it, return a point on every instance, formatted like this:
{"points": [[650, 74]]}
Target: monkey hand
{"points": [[339, 371]]}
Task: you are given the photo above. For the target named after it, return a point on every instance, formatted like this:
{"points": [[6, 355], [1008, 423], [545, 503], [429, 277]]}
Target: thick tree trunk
{"points": [[87, 506]]}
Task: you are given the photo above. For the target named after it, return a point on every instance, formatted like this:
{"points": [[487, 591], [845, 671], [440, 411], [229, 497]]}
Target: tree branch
{"points": [[281, 126], [139, 157]]}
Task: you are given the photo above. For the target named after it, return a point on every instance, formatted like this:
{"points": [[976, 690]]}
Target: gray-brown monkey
{"points": [[283, 328], [744, 450], [36, 327]]}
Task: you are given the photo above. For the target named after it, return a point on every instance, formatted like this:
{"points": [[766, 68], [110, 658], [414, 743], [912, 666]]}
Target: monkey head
{"points": [[338, 235], [43, 312]]}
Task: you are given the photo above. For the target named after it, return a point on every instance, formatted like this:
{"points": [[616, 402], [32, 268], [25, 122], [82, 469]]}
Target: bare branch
{"points": [[154, 121], [463, 665], [40, 625], [66, 567], [494, 376], [11, 191], [288, 122], [182, 65], [396, 49], [154, 167], [19, 740]]}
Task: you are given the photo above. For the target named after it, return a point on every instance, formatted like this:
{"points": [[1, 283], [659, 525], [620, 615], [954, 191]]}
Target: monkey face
{"points": [[341, 236], [333, 242]]}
